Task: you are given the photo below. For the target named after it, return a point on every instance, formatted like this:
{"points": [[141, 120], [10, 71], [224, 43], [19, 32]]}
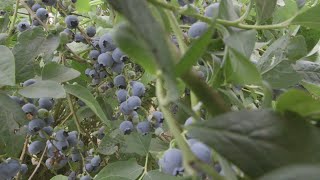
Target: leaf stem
{"points": [[145, 170], [76, 119], [15, 13], [245, 15]]}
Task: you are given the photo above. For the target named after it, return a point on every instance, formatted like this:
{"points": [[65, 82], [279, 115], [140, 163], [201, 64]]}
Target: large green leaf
{"points": [[6, 4], [157, 175], [260, 141], [83, 5], [137, 143], [195, 51], [84, 95], [59, 177], [299, 102], [294, 172], [120, 170], [59, 73], [31, 43], [314, 89], [11, 118], [242, 41], [41, 89], [282, 76], [240, 70], [227, 10], [7, 67], [265, 9], [309, 18], [309, 70]]}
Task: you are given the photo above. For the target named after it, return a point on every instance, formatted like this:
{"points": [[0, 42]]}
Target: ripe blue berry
{"points": [[9, 169], [72, 176], [95, 161], [35, 7], [157, 119], [36, 125], [197, 29], [88, 167], [122, 95], [48, 130], [72, 21], [105, 60], [49, 163], [61, 135], [76, 157], [36, 147], [143, 127], [79, 38], [18, 100], [138, 89], [188, 19], [212, 10], [184, 2], [117, 68], [93, 74], [49, 2], [126, 127], [28, 82], [120, 82], [42, 14], [23, 169], [189, 121], [91, 31], [134, 102], [85, 178], [106, 43], [61, 145], [30, 109], [103, 74], [94, 54], [22, 26], [202, 151], [46, 103], [171, 162], [117, 55]]}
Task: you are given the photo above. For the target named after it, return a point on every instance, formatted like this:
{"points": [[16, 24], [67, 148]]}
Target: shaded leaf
{"points": [[260, 141], [59, 73], [309, 18], [59, 177], [242, 41], [309, 70], [265, 9], [43, 89], [157, 175], [7, 67], [137, 143]]}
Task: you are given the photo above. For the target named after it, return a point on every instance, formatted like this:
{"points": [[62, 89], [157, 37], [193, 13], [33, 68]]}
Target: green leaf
{"points": [[299, 102], [282, 76], [137, 143], [108, 146], [6, 4], [227, 10], [309, 70], [314, 89], [157, 175], [260, 141], [120, 170], [31, 43], [11, 118], [129, 43], [294, 172], [283, 13], [195, 51], [43, 89], [242, 41], [309, 18], [59, 73], [297, 48], [84, 95], [59, 177], [265, 9], [7, 67], [83, 6], [240, 70]]}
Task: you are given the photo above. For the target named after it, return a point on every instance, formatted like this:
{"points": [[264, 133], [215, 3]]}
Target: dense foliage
{"points": [[159, 89]]}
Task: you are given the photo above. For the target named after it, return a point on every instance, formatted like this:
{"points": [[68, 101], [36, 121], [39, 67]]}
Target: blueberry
{"points": [[28, 82], [138, 89], [72, 175], [61, 135], [49, 120], [61, 145], [61, 162], [91, 31], [124, 108], [197, 29], [49, 163], [46, 103], [105, 60], [95, 161], [88, 167], [171, 162], [126, 127], [48, 130], [30, 109], [103, 74], [87, 71], [9, 169], [22, 26], [157, 118], [35, 7], [76, 157], [202, 151], [42, 14], [72, 21], [23, 169], [35, 22], [70, 33], [300, 3], [95, 81], [134, 102], [143, 127], [73, 138], [117, 68], [36, 125], [212, 10], [184, 2], [79, 38], [117, 55], [30, 2], [101, 133], [95, 42], [120, 82], [122, 95], [93, 74], [106, 42], [36, 147], [49, 2], [18, 100], [94, 54], [85, 178], [189, 121], [188, 19]]}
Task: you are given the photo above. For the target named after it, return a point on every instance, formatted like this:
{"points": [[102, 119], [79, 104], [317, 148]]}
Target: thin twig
{"points": [[14, 18], [77, 57], [39, 163], [76, 119]]}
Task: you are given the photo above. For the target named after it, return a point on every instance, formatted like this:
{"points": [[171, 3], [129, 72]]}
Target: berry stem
{"points": [[76, 119], [145, 170], [39, 163], [15, 13]]}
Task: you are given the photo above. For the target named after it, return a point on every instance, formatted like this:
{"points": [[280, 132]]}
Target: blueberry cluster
{"points": [[10, 168]]}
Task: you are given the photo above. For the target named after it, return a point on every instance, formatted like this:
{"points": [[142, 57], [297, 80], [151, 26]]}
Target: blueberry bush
{"points": [[159, 89]]}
